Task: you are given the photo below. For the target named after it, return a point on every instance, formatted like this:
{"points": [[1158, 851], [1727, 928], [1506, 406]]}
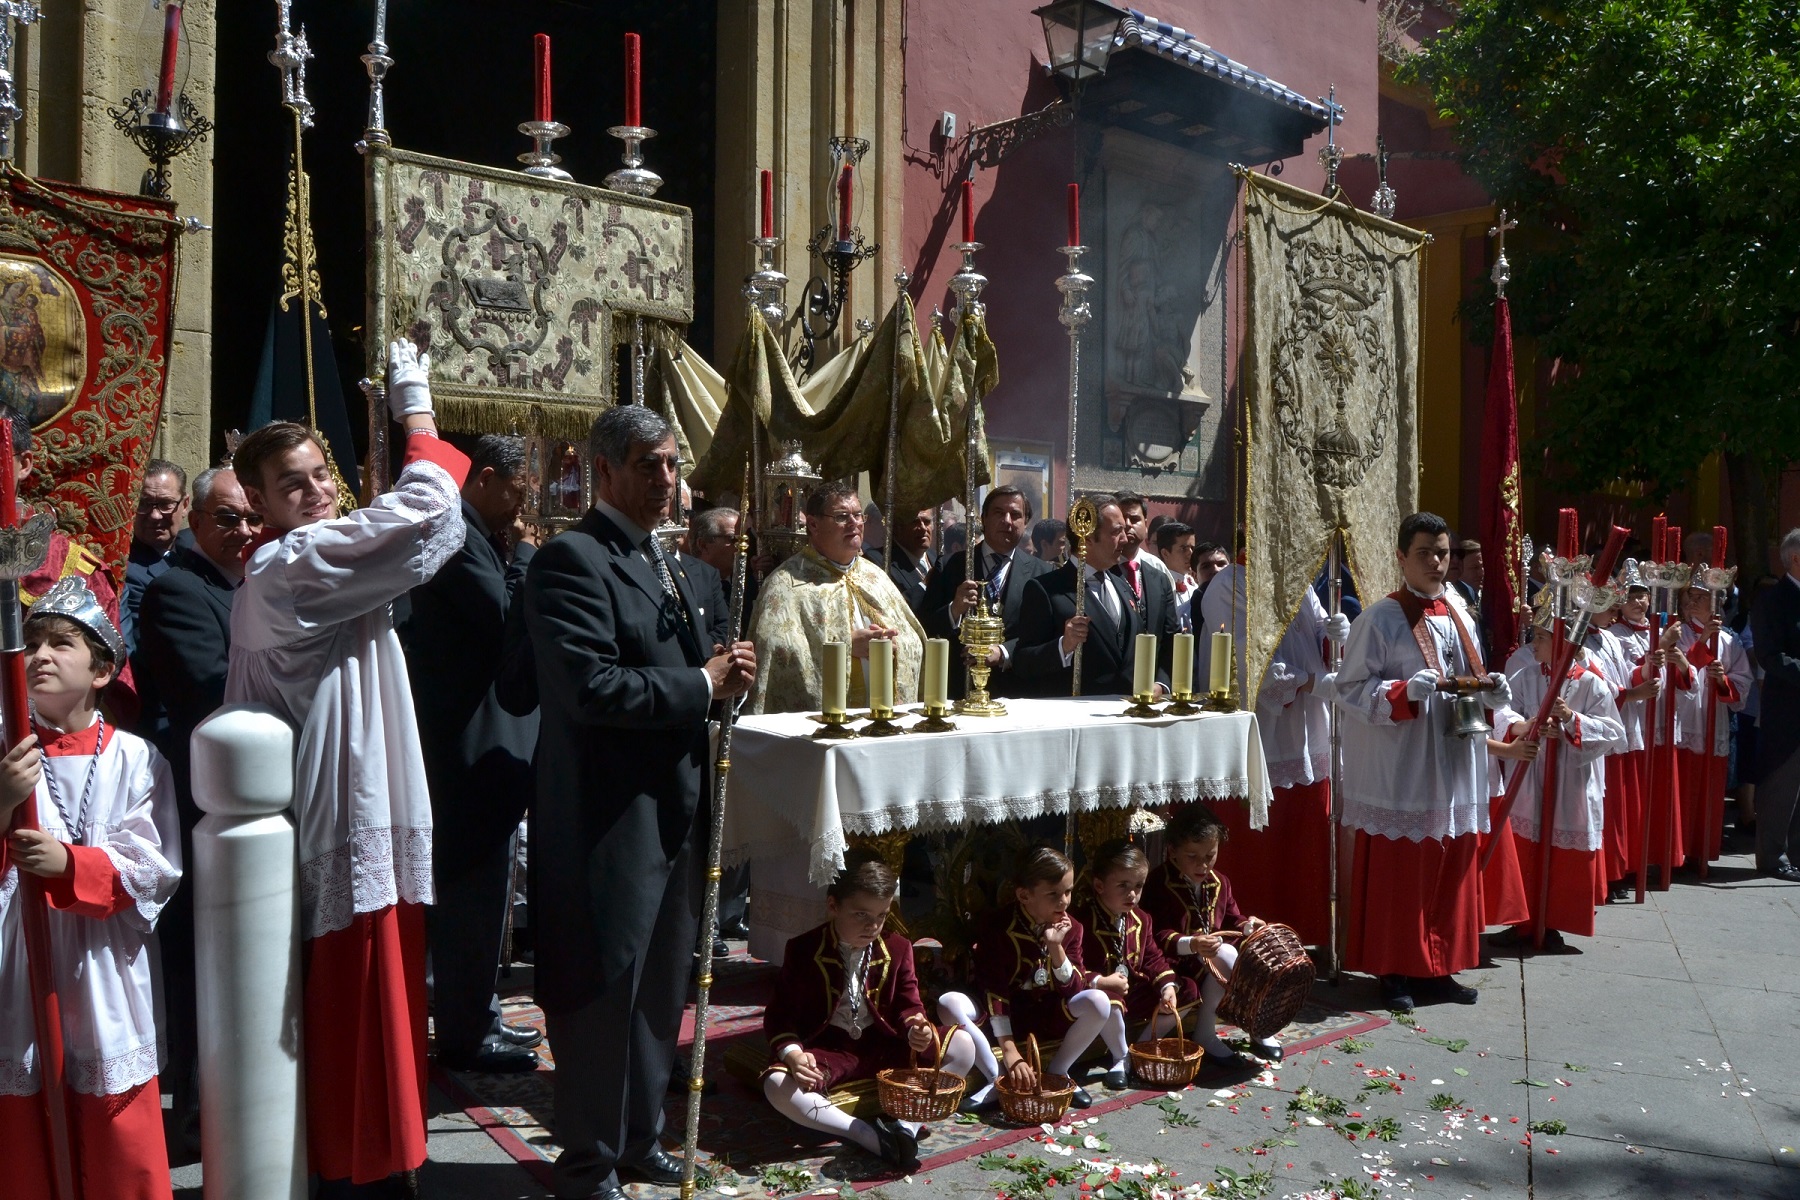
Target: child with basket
{"points": [[846, 1007], [1193, 909], [1028, 964], [1121, 950]]}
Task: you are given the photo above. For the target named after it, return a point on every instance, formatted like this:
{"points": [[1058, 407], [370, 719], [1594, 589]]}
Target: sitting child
{"points": [[1191, 905], [845, 1007], [1120, 948], [1028, 966], [106, 855]]}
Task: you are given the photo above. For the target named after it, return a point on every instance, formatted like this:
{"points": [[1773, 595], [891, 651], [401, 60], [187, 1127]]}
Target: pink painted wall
{"points": [[983, 60]]}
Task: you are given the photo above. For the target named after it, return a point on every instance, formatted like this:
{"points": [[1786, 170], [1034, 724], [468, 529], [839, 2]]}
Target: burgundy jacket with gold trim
{"points": [[1178, 912], [811, 983], [1007, 955], [1103, 947]]}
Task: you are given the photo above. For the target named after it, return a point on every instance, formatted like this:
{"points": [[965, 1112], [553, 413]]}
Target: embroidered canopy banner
{"points": [[518, 285], [87, 286], [1331, 353]]}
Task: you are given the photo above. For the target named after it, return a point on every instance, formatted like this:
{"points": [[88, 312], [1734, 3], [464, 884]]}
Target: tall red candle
{"points": [[1718, 554], [1074, 214], [1609, 555], [1672, 544], [1568, 533], [633, 77], [843, 190], [768, 204], [968, 210], [165, 82], [1659, 532], [540, 48]]}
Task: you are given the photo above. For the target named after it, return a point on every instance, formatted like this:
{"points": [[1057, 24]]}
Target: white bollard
{"points": [[247, 935]]}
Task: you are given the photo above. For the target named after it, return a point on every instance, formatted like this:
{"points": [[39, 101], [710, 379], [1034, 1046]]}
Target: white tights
{"points": [[956, 1009], [815, 1111], [1211, 992]]}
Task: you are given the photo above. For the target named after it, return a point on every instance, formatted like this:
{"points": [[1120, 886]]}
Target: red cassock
{"points": [[1013, 972], [1666, 798], [1416, 907], [1178, 909], [1703, 775], [1131, 940], [1283, 870], [1503, 893], [810, 988]]}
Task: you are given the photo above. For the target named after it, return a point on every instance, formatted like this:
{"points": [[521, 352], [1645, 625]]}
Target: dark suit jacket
{"points": [[184, 642], [1107, 656], [477, 754], [622, 752], [912, 585], [709, 589], [947, 576], [1775, 640]]}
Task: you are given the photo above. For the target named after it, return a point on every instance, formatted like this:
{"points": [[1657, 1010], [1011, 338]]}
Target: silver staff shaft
{"points": [[715, 852], [1335, 589]]}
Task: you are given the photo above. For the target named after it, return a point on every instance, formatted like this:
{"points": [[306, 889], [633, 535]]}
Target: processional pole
{"points": [[983, 628], [1334, 589], [715, 850], [375, 327], [890, 492], [1718, 579], [1082, 519], [1566, 572]]}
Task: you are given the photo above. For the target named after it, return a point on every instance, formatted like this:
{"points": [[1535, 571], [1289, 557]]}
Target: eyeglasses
{"points": [[230, 520], [162, 508], [847, 518]]}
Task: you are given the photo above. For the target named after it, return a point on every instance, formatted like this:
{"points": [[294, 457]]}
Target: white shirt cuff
{"points": [[707, 675], [1065, 972], [1002, 1026]]}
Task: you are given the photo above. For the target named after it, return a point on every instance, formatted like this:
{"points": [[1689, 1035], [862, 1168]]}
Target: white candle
{"points": [[1143, 674], [881, 675], [1221, 662], [837, 676], [1181, 674], [937, 672]]}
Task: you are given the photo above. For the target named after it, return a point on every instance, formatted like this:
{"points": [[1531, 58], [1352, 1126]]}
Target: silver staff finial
{"points": [[290, 57], [1502, 273]]}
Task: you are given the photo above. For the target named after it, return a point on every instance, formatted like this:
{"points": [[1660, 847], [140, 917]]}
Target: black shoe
{"points": [[1225, 1062], [658, 1167], [971, 1107], [1553, 944], [720, 948], [610, 1193], [522, 1036], [1081, 1099], [1396, 993], [1117, 1079], [737, 930], [1511, 936], [1267, 1049], [1445, 987], [898, 1147], [496, 1060], [1622, 892]]}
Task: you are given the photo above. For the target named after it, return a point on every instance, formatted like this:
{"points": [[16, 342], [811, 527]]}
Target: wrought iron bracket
{"points": [[990, 143], [161, 136]]}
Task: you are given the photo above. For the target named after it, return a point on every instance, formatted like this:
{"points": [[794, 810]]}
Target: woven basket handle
{"points": [[1037, 1062], [943, 1048], [1212, 964]]}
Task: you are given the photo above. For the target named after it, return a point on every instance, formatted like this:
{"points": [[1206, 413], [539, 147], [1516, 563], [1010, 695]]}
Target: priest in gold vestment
{"points": [[830, 593]]}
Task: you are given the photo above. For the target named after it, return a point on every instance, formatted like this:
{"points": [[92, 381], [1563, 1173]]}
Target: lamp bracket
{"points": [[990, 143]]}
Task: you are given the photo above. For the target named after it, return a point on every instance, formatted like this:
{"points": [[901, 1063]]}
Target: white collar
{"points": [[1421, 595], [632, 529]]}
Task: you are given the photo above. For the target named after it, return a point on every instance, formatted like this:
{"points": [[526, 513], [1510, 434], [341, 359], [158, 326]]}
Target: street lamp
{"points": [[1079, 35]]}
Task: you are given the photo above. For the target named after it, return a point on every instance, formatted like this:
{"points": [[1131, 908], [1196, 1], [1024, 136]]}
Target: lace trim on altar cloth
{"points": [[377, 868], [1406, 826], [87, 1072], [827, 850], [1298, 772]]}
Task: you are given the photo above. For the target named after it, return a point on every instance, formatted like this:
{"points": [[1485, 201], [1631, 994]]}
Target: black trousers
{"points": [[467, 929], [1778, 815], [614, 1055]]}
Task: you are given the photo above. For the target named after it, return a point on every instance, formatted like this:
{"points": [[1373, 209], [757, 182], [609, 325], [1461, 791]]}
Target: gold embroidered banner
{"points": [[520, 285], [1331, 353]]}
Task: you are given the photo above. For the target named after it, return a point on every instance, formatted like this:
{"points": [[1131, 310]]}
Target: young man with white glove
{"points": [[1415, 792], [312, 636]]}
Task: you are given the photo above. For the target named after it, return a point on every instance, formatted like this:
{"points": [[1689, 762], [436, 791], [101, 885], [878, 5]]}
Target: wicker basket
{"points": [[921, 1094], [1166, 1062], [1042, 1107], [1268, 987]]}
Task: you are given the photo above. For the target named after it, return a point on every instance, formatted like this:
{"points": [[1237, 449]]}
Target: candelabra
{"points": [[764, 287], [634, 178], [162, 136], [1074, 315], [541, 160], [842, 249], [968, 283]]}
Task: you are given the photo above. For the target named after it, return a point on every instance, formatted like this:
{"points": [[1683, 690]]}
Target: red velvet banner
{"points": [[1502, 537], [87, 305]]}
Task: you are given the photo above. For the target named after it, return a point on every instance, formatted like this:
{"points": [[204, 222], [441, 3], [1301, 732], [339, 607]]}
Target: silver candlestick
{"points": [[968, 283], [765, 286], [634, 179], [1074, 314], [541, 160]]}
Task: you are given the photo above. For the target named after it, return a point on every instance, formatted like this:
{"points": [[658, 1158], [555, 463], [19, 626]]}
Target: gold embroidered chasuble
{"points": [[808, 601]]}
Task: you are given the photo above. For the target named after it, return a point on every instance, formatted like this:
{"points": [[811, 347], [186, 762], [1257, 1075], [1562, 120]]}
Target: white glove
{"points": [[1501, 695], [1337, 629], [408, 381], [1422, 684]]}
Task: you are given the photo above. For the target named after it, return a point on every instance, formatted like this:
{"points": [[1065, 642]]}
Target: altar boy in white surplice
{"points": [[107, 855]]}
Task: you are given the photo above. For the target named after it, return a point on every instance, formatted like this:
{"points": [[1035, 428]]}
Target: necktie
{"points": [[653, 549], [996, 579], [1131, 573]]}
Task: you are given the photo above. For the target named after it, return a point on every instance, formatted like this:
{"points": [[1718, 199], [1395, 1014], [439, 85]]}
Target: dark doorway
{"points": [[460, 85]]}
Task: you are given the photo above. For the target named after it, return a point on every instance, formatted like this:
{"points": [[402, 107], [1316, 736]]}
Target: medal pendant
{"points": [[1125, 972], [1040, 978]]}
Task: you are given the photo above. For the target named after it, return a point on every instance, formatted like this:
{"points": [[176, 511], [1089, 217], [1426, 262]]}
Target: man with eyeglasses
{"points": [[162, 502], [184, 644]]}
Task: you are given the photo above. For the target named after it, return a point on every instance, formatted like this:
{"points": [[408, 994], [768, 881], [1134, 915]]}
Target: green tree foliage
{"points": [[1651, 149]]}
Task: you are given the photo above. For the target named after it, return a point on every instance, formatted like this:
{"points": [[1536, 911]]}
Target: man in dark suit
{"points": [[625, 680], [911, 568], [712, 538], [477, 759], [1004, 568], [1050, 632], [1775, 629], [184, 640]]}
